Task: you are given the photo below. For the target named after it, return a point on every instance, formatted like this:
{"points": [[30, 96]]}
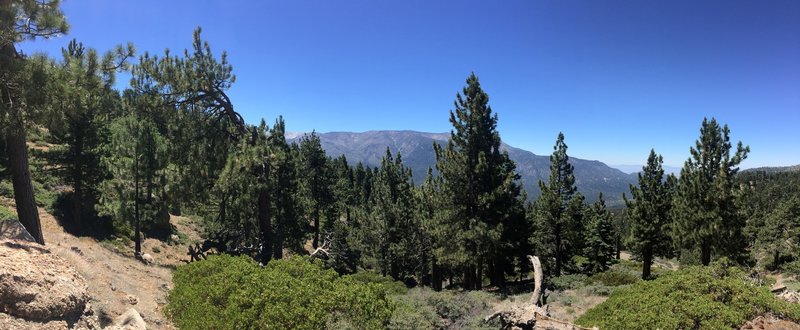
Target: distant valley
{"points": [[416, 148]]}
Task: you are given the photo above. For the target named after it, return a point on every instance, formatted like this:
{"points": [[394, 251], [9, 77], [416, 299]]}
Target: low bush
{"points": [[7, 214], [225, 292], [792, 267], [391, 286], [568, 282], [423, 308], [613, 277], [716, 297]]}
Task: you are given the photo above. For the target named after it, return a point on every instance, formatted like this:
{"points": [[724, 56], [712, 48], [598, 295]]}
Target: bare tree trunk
{"points": [[647, 262], [315, 243], [557, 270], [705, 251], [137, 237], [265, 226], [537, 280], [479, 275], [17, 152], [436, 276]]}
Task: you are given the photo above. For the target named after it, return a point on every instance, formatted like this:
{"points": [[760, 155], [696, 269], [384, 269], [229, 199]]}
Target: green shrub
{"points": [[613, 277], [6, 189], [225, 292], [423, 308], [599, 290], [392, 286], [7, 214], [792, 268], [717, 297], [568, 282]]}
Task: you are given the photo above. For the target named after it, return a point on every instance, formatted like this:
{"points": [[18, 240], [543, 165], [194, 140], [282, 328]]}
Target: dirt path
{"points": [[116, 282]]}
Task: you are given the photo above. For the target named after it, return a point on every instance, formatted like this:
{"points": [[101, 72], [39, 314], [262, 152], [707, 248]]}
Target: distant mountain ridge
{"points": [[775, 169], [416, 148]]}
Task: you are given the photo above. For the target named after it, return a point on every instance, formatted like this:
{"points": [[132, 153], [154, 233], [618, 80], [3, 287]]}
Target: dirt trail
{"points": [[117, 282]]}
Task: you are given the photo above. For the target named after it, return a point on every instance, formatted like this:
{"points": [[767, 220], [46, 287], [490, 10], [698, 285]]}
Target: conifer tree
{"points": [[780, 235], [649, 213], [704, 209], [23, 90], [480, 190], [599, 249], [288, 232], [136, 159], [389, 230], [84, 103], [315, 185], [558, 211]]}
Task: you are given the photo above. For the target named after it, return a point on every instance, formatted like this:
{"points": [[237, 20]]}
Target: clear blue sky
{"points": [[617, 77]]}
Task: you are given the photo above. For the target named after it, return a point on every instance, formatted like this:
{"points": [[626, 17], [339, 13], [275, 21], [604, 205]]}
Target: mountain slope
{"points": [[416, 148]]}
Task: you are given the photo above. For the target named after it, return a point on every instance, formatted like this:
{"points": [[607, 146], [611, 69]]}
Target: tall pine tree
{"points": [[480, 190], [558, 211], [705, 212], [649, 213], [23, 90]]}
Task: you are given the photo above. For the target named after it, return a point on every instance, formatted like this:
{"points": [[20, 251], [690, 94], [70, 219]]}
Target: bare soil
{"points": [[118, 281]]}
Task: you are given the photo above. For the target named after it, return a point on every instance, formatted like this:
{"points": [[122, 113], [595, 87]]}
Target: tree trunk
{"points": [[137, 237], [277, 245], [776, 261], [77, 182], [537, 280], [315, 243], [436, 276], [17, 152], [647, 262], [705, 251], [479, 275], [265, 226], [557, 270]]}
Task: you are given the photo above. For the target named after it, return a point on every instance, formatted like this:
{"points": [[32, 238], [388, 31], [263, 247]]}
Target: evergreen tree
{"points": [[136, 159], [78, 129], [649, 211], [23, 90], [315, 182], [599, 249], [780, 235], [288, 231], [704, 210], [480, 190], [558, 211], [389, 229], [426, 200]]}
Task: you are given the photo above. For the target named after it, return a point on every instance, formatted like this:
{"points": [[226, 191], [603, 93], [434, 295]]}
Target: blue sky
{"points": [[617, 77]]}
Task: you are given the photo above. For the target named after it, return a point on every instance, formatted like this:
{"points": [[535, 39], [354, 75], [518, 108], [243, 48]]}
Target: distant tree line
{"points": [[173, 142]]}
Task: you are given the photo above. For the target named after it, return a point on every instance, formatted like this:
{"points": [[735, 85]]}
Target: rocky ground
{"points": [[115, 286]]}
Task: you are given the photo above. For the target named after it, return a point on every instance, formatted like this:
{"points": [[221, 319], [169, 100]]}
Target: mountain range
{"points": [[416, 148]]}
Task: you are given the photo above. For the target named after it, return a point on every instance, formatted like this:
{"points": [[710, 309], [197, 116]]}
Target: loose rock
{"points": [[38, 285]]}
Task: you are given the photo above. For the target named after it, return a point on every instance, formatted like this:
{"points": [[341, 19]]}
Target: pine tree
{"points": [[780, 235], [558, 211], [315, 184], [84, 101], [288, 231], [23, 89], [480, 190], [649, 213], [704, 209], [136, 159], [599, 249], [390, 226]]}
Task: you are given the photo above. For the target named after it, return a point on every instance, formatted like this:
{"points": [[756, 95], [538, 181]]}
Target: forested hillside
{"points": [[592, 177], [322, 231]]}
